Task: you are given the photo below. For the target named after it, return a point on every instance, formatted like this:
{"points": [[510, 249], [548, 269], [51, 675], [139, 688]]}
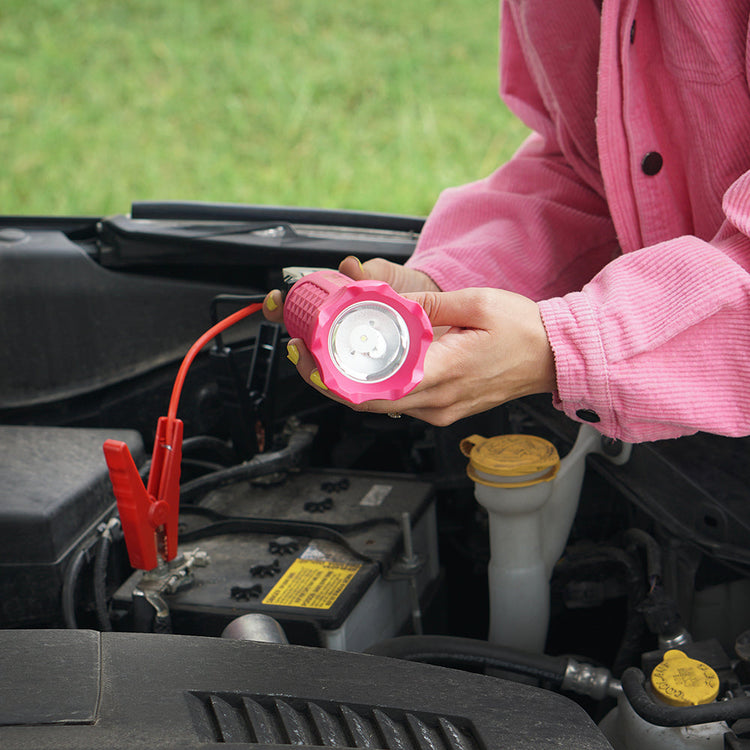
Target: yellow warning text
{"points": [[312, 584]]}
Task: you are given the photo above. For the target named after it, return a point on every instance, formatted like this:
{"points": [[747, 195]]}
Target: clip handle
{"points": [[149, 515], [133, 505]]}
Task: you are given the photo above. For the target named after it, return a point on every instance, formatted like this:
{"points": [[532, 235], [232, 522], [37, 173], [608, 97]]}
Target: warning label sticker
{"points": [[314, 584], [376, 495]]}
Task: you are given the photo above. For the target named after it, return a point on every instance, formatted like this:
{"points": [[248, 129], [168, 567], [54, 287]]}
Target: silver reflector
{"points": [[368, 341]]}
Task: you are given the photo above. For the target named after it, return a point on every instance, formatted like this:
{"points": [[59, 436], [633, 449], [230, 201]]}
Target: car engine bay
{"points": [[341, 579]]}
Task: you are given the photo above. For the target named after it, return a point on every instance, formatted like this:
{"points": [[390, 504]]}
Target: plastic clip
{"points": [[150, 514]]}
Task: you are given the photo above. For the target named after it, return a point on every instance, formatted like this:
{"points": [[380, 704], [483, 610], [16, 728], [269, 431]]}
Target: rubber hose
{"points": [[438, 649], [101, 561], [640, 538], [629, 572], [208, 444], [264, 463], [70, 582], [678, 716]]}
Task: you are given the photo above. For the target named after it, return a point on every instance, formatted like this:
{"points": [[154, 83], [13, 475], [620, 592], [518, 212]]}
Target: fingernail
{"points": [[271, 304], [361, 267], [292, 353], [316, 380]]}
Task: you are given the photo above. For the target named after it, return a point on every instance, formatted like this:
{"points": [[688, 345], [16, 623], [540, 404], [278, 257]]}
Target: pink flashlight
{"points": [[368, 341]]}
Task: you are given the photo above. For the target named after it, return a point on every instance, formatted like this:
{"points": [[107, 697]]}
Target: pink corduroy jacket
{"points": [[626, 214]]}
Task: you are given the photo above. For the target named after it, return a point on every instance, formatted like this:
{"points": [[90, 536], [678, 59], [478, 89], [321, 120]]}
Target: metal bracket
{"points": [[151, 611]]}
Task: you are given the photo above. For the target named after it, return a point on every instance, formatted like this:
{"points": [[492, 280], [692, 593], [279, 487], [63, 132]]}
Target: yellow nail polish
{"points": [[292, 353], [315, 379], [271, 303], [361, 267]]}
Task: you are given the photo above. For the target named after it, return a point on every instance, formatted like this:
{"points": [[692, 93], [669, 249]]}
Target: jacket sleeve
{"points": [[651, 344], [539, 225], [657, 345], [533, 227]]}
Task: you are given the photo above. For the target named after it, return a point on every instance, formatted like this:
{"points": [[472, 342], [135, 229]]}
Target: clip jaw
{"points": [[149, 515]]}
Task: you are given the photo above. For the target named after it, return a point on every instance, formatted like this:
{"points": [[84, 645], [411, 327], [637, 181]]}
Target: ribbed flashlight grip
{"points": [[306, 297]]}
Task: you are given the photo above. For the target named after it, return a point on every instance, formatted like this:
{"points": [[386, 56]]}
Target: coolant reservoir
{"points": [[513, 476], [531, 497], [677, 681]]}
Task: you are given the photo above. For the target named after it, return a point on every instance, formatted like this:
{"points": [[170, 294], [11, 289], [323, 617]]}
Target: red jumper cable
{"points": [[150, 514]]}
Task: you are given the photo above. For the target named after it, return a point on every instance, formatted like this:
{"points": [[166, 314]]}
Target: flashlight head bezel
{"points": [[345, 294]]}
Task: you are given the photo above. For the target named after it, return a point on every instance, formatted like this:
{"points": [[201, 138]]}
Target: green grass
{"points": [[373, 104]]}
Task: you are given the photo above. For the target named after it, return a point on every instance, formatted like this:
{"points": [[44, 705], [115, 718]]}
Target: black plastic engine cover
{"points": [[55, 490], [80, 689], [69, 326]]}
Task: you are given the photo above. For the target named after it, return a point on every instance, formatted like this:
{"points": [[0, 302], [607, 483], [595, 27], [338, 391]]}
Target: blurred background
{"points": [[373, 105]]}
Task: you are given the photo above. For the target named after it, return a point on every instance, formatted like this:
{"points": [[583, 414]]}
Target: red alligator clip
{"points": [[149, 515]]}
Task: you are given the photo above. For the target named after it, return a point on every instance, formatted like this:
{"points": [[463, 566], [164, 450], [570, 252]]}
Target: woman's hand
{"points": [[400, 278], [494, 349]]}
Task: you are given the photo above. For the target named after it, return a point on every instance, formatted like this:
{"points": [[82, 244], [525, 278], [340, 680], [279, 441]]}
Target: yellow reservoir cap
{"points": [[682, 681], [510, 460]]}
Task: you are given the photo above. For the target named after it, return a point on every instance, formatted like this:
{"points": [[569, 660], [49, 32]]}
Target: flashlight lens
{"points": [[368, 341]]}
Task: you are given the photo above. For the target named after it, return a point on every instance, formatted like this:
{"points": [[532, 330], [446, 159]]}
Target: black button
{"points": [[587, 415], [652, 163], [632, 33]]}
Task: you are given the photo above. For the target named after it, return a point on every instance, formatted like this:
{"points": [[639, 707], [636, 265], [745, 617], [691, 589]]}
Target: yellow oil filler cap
{"points": [[510, 460], [682, 681]]}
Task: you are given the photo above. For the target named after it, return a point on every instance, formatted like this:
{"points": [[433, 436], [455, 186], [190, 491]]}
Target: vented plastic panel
{"points": [[197, 693], [277, 721]]}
